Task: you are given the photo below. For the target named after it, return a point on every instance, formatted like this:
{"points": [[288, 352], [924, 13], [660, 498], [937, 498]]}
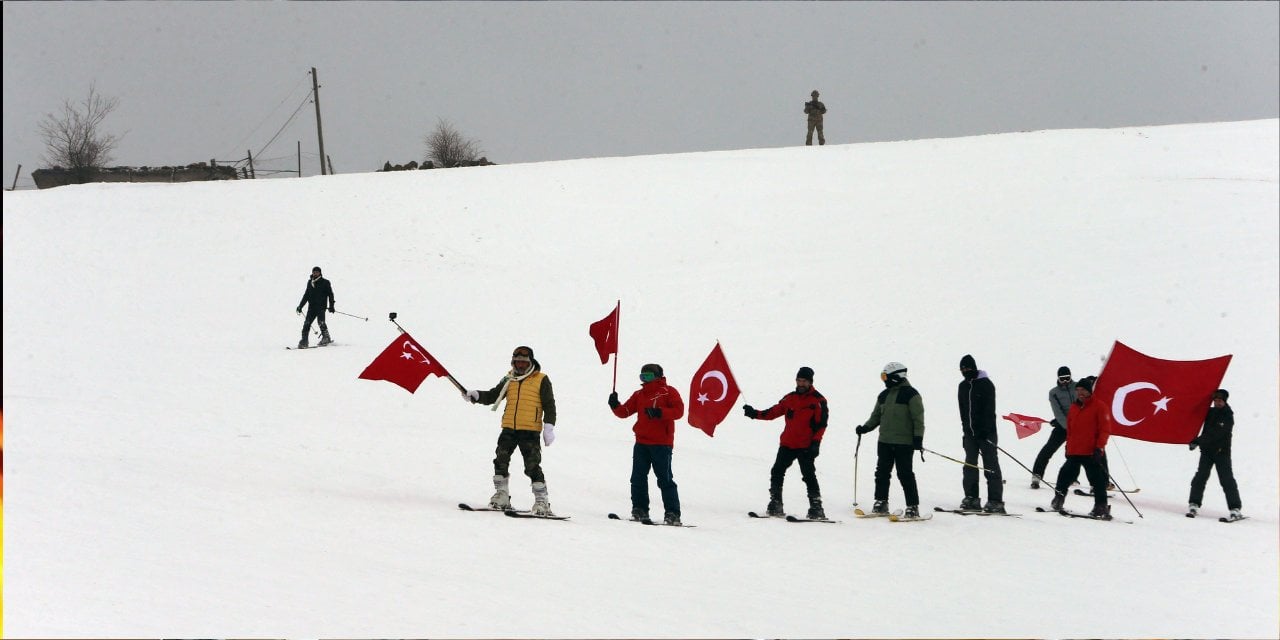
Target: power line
{"points": [[292, 91], [286, 124]]}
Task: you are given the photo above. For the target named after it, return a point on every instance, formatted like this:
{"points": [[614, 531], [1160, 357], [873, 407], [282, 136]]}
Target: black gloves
{"points": [[750, 411], [1097, 455], [1193, 444], [918, 443], [330, 308], [613, 400], [653, 412], [299, 309], [862, 429], [813, 448], [1055, 424]]}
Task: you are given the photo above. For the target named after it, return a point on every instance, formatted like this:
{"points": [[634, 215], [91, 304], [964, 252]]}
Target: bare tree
{"points": [[74, 139], [447, 147]]}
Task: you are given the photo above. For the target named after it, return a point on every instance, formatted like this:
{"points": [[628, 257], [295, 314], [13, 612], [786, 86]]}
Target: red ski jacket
{"points": [[1088, 427], [806, 418], [653, 394]]}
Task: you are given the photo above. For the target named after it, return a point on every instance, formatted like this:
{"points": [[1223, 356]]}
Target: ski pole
{"points": [[352, 315], [1001, 450], [855, 469], [955, 461], [392, 318]]}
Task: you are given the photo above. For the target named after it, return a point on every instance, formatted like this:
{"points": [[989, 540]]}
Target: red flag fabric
{"points": [[605, 333], [712, 393], [404, 362], [1024, 425], [1157, 400]]}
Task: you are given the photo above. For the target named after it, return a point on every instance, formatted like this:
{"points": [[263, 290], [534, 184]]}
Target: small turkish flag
{"points": [[404, 362], [605, 334], [712, 393], [1157, 400], [1024, 425]]}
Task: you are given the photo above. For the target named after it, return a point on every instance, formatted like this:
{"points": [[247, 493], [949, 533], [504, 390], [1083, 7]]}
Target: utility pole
{"points": [[299, 158], [252, 173], [15, 178], [315, 93]]}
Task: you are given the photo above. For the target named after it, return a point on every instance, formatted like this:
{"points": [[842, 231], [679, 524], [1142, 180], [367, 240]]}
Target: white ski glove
{"points": [[548, 433], [473, 396]]}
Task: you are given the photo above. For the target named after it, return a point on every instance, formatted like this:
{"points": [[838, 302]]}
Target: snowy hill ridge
{"points": [[174, 471]]}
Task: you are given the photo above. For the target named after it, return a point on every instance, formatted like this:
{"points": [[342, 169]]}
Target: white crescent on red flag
{"points": [[1157, 400], [404, 362], [712, 393]]}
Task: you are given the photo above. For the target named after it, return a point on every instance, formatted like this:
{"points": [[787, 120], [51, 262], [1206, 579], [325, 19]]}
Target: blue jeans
{"points": [[658, 456]]}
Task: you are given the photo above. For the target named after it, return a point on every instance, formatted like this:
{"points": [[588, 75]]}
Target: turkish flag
{"points": [[1157, 400], [605, 333], [1024, 425], [404, 362], [712, 393]]}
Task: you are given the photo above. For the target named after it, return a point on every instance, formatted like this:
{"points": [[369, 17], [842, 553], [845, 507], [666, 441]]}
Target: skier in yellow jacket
{"points": [[530, 413]]}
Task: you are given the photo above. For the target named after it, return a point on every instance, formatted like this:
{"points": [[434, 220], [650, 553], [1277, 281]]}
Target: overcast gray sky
{"points": [[551, 81]]}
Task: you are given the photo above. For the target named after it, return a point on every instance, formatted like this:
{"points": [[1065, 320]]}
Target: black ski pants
{"points": [[1056, 438], [1094, 470], [889, 456], [783, 462], [973, 447], [1222, 460], [530, 445], [315, 313]]}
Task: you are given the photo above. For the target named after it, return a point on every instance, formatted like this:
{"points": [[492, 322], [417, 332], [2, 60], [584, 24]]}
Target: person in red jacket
{"points": [[806, 420], [656, 406], [1088, 428]]}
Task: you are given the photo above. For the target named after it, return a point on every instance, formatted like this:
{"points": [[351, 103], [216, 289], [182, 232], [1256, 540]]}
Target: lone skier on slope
{"points": [[315, 296]]}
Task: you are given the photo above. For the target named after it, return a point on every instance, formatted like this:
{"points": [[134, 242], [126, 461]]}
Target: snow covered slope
{"points": [[174, 471]]}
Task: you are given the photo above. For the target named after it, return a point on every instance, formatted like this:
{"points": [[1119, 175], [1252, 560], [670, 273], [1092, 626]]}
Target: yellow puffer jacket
{"points": [[524, 404]]}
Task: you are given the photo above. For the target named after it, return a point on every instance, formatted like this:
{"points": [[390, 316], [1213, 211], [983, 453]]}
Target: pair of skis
{"points": [[652, 523], [317, 346], [513, 513], [790, 518], [1227, 519], [977, 512], [1086, 516], [893, 516], [525, 513]]}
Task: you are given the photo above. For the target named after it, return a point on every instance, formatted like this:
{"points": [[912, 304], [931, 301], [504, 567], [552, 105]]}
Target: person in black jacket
{"points": [[315, 296], [1214, 442], [977, 396]]}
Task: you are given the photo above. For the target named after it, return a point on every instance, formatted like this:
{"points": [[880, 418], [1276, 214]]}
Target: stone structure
{"points": [[200, 171]]}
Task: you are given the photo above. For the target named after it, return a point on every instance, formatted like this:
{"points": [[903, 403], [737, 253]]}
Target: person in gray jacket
{"points": [[1060, 398], [899, 412]]}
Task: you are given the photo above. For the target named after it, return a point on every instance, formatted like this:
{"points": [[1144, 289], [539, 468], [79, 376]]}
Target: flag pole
{"points": [[617, 331], [392, 318]]}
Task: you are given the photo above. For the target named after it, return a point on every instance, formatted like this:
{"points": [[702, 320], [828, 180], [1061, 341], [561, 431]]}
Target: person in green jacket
{"points": [[899, 412]]}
